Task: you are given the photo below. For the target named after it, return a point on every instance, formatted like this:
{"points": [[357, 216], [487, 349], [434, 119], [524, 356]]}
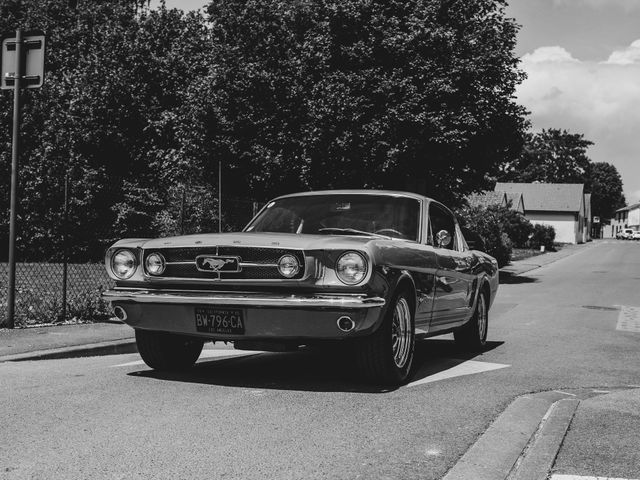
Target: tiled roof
{"points": [[630, 207], [486, 199], [550, 197]]}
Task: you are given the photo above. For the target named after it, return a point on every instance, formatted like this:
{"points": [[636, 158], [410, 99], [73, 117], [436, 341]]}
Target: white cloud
{"points": [[548, 54], [629, 55], [599, 100]]}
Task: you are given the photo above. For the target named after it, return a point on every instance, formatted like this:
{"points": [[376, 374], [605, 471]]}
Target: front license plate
{"points": [[219, 320]]}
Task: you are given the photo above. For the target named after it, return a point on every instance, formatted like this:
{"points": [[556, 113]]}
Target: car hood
{"points": [[257, 239]]}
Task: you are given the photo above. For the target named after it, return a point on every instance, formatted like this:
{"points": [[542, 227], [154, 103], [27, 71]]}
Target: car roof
{"points": [[391, 193]]}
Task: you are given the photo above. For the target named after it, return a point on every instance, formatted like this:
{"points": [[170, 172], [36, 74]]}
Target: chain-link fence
{"points": [[49, 292], [57, 291]]}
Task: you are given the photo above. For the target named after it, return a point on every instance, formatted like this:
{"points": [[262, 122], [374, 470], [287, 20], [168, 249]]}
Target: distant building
{"points": [[561, 205], [514, 201], [627, 217]]}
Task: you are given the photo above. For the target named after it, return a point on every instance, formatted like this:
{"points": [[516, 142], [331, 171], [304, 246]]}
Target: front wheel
{"points": [[386, 356], [473, 334], [168, 351]]}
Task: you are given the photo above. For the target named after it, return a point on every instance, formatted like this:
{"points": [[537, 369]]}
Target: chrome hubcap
{"points": [[482, 318], [401, 332]]}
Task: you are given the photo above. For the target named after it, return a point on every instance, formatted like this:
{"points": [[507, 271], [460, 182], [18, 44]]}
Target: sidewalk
{"points": [[525, 265], [61, 341]]}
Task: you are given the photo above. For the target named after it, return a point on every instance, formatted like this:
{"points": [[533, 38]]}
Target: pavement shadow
{"points": [[507, 278], [310, 370]]}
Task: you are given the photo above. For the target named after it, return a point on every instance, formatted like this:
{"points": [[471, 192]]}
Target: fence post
{"points": [[219, 196], [183, 200], [65, 242]]}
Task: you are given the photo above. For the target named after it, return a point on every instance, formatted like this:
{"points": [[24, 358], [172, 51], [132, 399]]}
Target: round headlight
{"points": [[123, 264], [288, 266], [351, 268], [155, 264]]}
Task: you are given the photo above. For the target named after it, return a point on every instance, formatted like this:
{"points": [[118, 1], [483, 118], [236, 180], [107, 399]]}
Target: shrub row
{"points": [[497, 230]]}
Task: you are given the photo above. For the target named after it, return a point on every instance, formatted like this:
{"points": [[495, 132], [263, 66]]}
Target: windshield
{"points": [[341, 214]]}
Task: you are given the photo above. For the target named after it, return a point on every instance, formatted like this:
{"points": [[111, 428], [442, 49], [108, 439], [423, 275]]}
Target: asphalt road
{"points": [[306, 415]]}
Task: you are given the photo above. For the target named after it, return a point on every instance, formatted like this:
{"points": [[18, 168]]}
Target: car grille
{"points": [[256, 263]]}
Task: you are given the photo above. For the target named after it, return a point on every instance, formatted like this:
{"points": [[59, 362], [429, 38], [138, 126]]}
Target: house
{"points": [[514, 200], [561, 205], [627, 217]]}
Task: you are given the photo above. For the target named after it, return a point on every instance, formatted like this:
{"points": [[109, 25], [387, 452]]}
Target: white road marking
{"points": [[565, 393], [578, 477], [629, 319], [206, 354], [469, 367]]}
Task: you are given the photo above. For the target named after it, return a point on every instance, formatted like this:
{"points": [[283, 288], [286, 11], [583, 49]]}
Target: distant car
{"points": [[636, 235], [372, 270], [627, 234]]}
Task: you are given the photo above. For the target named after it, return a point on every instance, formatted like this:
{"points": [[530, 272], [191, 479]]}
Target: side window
{"points": [[440, 219]]}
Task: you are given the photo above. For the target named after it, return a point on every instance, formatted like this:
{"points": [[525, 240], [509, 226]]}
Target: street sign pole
{"points": [[21, 66], [14, 182]]}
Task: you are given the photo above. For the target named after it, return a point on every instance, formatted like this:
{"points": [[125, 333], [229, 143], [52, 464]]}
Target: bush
{"points": [[489, 225], [517, 227], [542, 236]]}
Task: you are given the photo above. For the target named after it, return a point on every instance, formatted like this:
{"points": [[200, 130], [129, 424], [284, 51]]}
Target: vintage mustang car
{"points": [[373, 270]]}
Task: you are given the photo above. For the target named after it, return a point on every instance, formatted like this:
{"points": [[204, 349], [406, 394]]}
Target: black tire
{"points": [[168, 351], [472, 336], [385, 357]]}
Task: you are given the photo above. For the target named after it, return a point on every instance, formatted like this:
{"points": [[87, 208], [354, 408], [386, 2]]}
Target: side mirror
{"points": [[443, 239]]}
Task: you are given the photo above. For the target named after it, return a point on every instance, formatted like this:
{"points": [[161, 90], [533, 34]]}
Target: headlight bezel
{"points": [[162, 261], [133, 259], [296, 262], [363, 272]]}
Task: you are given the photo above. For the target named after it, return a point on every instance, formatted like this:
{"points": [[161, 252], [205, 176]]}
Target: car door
{"points": [[454, 279]]}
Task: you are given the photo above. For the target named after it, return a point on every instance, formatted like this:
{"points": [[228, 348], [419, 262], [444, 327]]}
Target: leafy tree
{"points": [[140, 103], [551, 156], [116, 72], [605, 184], [358, 93]]}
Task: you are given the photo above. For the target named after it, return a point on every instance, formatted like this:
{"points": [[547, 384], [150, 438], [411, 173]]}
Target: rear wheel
{"points": [[386, 356], [473, 334], [168, 351]]}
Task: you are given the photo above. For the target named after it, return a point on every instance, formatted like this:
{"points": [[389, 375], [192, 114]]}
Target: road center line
{"points": [[469, 367]]}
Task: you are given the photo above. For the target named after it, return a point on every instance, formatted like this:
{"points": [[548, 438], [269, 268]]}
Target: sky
{"points": [[582, 60]]}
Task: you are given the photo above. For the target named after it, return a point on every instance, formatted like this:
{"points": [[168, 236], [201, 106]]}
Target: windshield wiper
{"points": [[351, 231]]}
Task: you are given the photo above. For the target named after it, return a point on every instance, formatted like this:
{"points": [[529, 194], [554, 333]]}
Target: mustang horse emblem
{"points": [[215, 264]]}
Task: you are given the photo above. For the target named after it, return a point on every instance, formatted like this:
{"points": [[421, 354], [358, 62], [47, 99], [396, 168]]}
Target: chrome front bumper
{"points": [[266, 315], [240, 299]]}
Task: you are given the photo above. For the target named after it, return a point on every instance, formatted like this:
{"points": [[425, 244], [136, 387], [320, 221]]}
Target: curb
{"points": [[521, 443], [523, 266], [537, 460], [89, 350]]}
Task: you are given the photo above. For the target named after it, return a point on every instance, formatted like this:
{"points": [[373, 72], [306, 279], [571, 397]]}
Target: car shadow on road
{"points": [[511, 279], [310, 370]]}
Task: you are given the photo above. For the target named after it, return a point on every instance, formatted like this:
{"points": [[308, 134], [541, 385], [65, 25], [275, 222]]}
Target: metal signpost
{"points": [[22, 61]]}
